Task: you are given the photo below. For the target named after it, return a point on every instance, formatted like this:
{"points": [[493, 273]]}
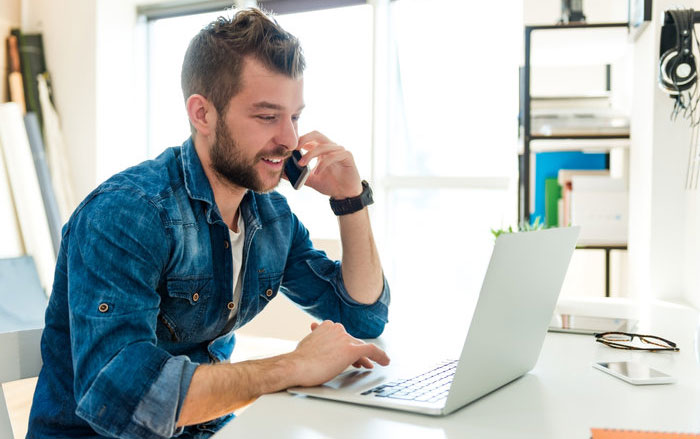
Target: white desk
{"points": [[562, 397]]}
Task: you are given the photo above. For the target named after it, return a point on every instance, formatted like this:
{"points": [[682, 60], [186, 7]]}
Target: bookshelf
{"points": [[575, 44]]}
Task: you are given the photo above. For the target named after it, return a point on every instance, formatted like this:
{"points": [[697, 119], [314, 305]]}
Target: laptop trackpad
{"points": [[358, 379]]}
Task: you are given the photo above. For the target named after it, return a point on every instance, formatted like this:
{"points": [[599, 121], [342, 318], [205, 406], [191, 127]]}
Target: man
{"points": [[161, 263]]}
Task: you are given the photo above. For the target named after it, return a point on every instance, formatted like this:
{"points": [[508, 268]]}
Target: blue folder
{"points": [[548, 164]]}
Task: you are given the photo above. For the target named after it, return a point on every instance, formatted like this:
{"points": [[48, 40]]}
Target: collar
{"points": [[196, 181], [198, 188]]}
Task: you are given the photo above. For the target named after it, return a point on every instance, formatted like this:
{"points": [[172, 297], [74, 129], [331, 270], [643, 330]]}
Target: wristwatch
{"points": [[353, 204]]}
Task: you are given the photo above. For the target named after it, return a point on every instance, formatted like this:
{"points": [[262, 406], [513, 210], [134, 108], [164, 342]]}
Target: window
{"points": [[337, 44], [167, 42], [446, 175], [451, 161], [454, 90]]}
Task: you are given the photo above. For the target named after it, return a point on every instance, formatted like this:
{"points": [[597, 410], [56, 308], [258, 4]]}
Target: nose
{"points": [[287, 134]]}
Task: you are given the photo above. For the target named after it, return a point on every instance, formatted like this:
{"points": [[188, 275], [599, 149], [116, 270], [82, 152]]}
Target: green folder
{"points": [[552, 194]]}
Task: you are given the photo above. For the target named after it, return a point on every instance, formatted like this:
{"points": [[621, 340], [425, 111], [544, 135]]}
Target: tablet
{"points": [[577, 324]]}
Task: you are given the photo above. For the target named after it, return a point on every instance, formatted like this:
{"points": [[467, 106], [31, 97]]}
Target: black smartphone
{"points": [[296, 174]]}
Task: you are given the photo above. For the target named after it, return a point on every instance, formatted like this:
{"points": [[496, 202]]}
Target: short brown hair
{"points": [[214, 59]]}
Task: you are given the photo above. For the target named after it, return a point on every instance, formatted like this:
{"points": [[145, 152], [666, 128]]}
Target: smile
{"points": [[275, 164], [272, 160]]}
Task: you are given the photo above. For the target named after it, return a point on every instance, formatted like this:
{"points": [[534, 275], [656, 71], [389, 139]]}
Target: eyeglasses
{"points": [[617, 340]]}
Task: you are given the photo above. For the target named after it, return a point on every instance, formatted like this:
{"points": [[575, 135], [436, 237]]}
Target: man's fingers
{"points": [[327, 160], [319, 151], [363, 362], [372, 352], [313, 136]]}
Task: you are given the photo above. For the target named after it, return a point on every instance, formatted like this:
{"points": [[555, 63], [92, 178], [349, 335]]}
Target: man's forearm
{"points": [[219, 389], [362, 271]]}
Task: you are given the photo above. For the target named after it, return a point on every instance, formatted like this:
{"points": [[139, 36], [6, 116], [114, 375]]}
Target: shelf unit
{"points": [[539, 143]]}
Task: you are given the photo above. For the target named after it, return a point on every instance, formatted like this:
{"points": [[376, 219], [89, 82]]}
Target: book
{"points": [[606, 433], [26, 192], [14, 77], [564, 177], [548, 164], [32, 63], [599, 204], [36, 143]]}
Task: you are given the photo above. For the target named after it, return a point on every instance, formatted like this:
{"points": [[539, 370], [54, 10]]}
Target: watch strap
{"points": [[353, 204]]}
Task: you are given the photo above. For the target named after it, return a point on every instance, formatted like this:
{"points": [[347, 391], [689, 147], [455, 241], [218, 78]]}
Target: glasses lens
{"points": [[655, 341], [616, 337]]}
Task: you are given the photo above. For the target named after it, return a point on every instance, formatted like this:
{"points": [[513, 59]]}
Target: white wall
{"points": [[663, 230], [691, 256], [691, 239], [641, 137], [69, 30], [669, 155]]}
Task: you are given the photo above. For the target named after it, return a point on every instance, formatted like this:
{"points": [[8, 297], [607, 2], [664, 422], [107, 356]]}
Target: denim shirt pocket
{"points": [[182, 308], [268, 287]]}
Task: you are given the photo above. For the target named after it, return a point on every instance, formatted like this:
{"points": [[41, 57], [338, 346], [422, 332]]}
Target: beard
{"points": [[228, 162]]}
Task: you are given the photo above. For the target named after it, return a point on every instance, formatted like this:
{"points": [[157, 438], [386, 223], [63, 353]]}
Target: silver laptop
{"points": [[506, 333]]}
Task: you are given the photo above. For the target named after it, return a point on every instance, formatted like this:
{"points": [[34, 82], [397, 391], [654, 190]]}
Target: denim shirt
{"points": [[141, 296]]}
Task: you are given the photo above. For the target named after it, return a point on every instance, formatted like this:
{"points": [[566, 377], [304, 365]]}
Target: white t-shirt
{"points": [[237, 240]]}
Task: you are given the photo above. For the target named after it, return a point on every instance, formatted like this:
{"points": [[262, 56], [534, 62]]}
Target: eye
{"points": [[266, 117], [296, 117]]}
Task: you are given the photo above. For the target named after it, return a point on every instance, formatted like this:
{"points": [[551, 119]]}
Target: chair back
{"points": [[20, 358]]}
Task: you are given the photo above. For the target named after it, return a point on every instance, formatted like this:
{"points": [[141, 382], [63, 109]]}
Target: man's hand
{"points": [[217, 389], [335, 173], [328, 350]]}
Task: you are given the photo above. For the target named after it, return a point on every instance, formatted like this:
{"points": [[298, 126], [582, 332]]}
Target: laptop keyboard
{"points": [[431, 386]]}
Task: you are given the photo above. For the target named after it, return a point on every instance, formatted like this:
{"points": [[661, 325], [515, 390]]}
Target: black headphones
{"points": [[677, 67]]}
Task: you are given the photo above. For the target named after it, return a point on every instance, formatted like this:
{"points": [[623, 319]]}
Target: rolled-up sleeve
{"points": [[125, 386], [315, 283]]}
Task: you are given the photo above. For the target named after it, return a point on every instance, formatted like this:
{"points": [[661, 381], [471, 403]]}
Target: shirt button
{"points": [[231, 305], [195, 297], [103, 307], [269, 292], [225, 244]]}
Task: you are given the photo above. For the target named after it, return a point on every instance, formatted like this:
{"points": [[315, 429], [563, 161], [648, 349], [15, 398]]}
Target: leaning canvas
{"points": [[26, 192]]}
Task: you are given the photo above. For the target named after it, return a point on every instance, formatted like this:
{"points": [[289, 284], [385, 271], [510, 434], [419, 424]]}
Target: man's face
{"points": [[258, 130]]}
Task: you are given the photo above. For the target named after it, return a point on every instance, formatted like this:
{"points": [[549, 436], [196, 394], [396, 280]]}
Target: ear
{"points": [[202, 114]]}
